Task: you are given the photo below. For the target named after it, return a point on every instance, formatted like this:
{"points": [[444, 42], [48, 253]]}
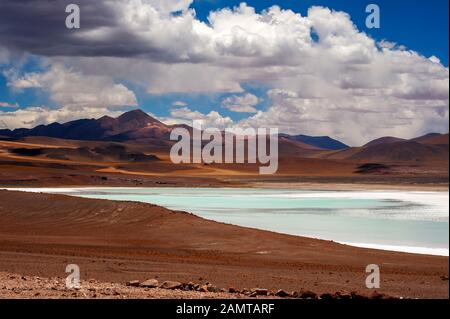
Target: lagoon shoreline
{"points": [[229, 202], [115, 241]]}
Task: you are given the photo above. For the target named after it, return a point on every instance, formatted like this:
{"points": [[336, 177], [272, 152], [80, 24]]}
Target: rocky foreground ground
{"points": [[14, 286]]}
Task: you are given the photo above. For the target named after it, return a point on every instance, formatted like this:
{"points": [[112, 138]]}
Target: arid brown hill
{"points": [[139, 126]]}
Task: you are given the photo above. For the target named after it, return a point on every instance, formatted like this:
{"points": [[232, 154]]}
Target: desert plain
{"points": [[117, 242]]}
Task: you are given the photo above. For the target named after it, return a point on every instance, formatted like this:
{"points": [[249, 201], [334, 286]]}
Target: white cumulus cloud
{"points": [[241, 103], [72, 89], [324, 76], [211, 120]]}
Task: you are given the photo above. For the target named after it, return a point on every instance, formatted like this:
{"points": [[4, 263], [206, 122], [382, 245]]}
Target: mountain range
{"points": [[131, 125], [322, 142], [138, 127], [135, 125]]}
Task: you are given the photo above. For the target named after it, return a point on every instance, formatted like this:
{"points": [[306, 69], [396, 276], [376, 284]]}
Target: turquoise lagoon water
{"points": [[393, 220]]}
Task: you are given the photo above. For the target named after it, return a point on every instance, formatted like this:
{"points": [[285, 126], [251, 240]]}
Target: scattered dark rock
{"points": [[370, 168], [343, 294], [255, 292], [282, 293], [308, 295], [133, 283], [171, 285], [212, 288], [260, 291], [203, 288], [189, 286], [150, 283], [232, 290]]}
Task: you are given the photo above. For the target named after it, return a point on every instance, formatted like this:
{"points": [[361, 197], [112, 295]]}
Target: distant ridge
{"points": [[428, 148], [384, 140], [404, 151], [322, 142], [130, 125], [138, 126], [433, 138]]}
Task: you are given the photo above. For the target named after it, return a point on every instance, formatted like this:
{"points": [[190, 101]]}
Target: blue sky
{"points": [[419, 26]]}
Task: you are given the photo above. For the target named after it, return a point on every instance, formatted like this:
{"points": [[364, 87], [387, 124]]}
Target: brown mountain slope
{"points": [[138, 127], [133, 125], [436, 139], [402, 152], [384, 140], [431, 148]]}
